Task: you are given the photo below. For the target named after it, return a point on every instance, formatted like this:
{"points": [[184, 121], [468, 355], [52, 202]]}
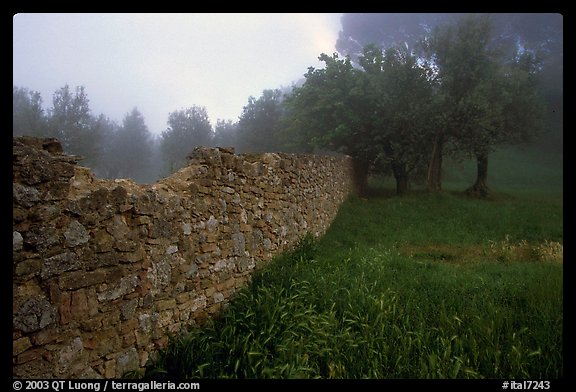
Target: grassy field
{"points": [[424, 286]]}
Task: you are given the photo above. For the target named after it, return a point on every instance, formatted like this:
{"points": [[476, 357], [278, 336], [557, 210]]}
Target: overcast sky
{"points": [[161, 63]]}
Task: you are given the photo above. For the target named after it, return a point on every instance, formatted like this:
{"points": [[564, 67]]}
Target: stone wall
{"points": [[103, 270]]}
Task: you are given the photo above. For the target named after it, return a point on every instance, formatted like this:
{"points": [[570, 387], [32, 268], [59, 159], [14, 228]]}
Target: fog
{"points": [[165, 62]]}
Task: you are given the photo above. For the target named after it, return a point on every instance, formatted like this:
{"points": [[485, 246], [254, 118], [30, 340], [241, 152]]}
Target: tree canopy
{"points": [[402, 106], [487, 95], [377, 113]]}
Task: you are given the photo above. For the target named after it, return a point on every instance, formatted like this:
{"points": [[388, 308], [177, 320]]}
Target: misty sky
{"points": [[161, 63]]}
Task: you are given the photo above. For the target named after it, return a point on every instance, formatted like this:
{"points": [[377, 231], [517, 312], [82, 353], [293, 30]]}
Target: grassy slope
{"points": [[425, 286]]}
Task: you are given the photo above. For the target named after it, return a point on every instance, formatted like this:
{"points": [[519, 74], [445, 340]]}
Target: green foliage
{"points": [[379, 114], [463, 95], [305, 249], [322, 110], [402, 94], [490, 99]]}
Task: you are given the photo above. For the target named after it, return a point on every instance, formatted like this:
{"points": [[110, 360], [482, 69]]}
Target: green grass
{"points": [[423, 286]]}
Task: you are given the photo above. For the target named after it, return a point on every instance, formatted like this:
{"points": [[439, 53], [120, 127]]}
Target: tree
{"points": [[537, 33], [377, 114], [28, 117], [131, 144], [71, 122], [400, 92], [482, 98], [512, 113], [225, 133], [331, 111], [110, 158], [260, 123], [187, 128]]}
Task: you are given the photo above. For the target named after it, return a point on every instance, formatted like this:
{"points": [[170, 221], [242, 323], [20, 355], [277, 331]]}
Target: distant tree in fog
{"points": [[187, 128], [71, 122], [110, 158], [260, 123], [132, 145], [118, 158], [225, 133], [110, 150], [28, 117]]}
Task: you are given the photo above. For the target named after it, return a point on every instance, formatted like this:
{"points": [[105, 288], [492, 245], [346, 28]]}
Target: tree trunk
{"points": [[401, 176], [480, 188], [434, 180], [361, 176]]}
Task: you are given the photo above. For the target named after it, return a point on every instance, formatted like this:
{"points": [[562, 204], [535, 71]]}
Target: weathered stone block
{"points": [[60, 263], [41, 238], [165, 304], [30, 355], [172, 249], [118, 196], [91, 325], [79, 304], [144, 205], [28, 268], [161, 228], [76, 234], [127, 361], [209, 247], [20, 345], [126, 285], [34, 314], [147, 321], [239, 244], [70, 354], [24, 195], [78, 279], [160, 273], [45, 336], [108, 341]]}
